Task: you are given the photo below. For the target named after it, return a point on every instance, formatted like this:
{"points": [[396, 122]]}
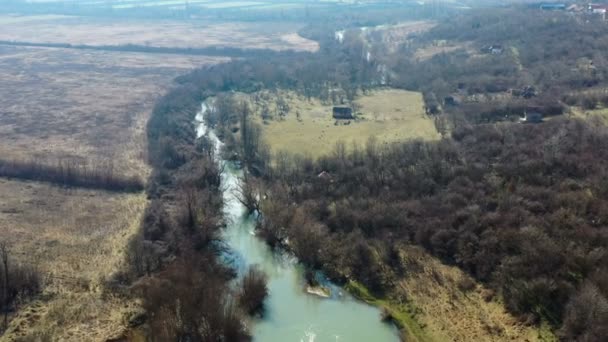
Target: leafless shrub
{"points": [[253, 291]]}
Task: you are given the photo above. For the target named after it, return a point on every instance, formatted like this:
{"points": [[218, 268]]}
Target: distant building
{"points": [[343, 113], [324, 175], [600, 9], [553, 7], [532, 117], [597, 8]]}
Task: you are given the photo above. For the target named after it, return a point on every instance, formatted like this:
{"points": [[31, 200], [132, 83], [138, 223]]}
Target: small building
{"points": [[600, 9], [532, 117], [597, 8], [343, 113], [324, 175]]}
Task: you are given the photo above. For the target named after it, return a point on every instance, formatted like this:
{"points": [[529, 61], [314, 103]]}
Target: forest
{"points": [[554, 54], [521, 208]]}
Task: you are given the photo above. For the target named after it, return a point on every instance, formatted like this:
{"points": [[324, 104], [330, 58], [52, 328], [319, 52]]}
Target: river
{"points": [[291, 313]]}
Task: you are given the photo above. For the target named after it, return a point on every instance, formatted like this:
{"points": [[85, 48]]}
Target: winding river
{"points": [[291, 313]]}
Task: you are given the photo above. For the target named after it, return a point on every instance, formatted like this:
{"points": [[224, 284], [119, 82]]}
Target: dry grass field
{"points": [[453, 307], [437, 48], [75, 30], [85, 105], [389, 115], [393, 36], [90, 105], [436, 302], [600, 114], [76, 238]]}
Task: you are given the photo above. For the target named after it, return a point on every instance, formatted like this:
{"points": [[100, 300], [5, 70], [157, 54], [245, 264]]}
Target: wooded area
{"points": [[519, 207]]}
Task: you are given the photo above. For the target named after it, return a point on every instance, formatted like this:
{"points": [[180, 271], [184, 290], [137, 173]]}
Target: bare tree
{"points": [[254, 290], [248, 195], [4, 255]]}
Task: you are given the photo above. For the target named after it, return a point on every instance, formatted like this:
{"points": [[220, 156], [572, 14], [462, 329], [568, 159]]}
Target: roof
{"points": [[533, 117]]}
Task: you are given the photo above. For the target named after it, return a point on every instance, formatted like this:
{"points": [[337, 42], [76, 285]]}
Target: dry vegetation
{"points": [[91, 106], [392, 36], [452, 306], [75, 30], [77, 239], [439, 47], [307, 127], [437, 302], [88, 106]]}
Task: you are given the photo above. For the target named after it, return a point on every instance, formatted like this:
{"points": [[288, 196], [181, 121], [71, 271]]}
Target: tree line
{"points": [[71, 173], [222, 51]]}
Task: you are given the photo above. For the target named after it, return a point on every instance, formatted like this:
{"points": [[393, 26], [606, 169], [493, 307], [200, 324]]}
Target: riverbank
{"points": [[400, 315]]}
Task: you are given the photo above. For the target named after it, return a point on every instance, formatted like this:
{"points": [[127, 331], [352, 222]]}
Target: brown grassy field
{"points": [[436, 302], [60, 103], [453, 307], [389, 115], [75, 30], [437, 48], [86, 105], [392, 36], [77, 239]]}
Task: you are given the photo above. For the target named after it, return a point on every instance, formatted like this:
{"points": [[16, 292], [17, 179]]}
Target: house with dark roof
{"points": [[532, 117], [343, 113]]}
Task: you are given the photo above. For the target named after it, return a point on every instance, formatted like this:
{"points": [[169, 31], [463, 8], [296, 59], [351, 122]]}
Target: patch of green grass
{"points": [[401, 313], [389, 115]]}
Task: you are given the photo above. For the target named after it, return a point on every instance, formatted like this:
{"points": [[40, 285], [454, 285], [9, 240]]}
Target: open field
{"points": [[389, 115], [87, 31], [82, 104], [393, 36], [437, 302], [600, 114], [77, 239], [88, 106]]}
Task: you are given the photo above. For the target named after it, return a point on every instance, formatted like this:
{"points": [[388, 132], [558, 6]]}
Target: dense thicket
{"points": [[554, 53], [253, 291], [343, 66], [522, 208]]}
